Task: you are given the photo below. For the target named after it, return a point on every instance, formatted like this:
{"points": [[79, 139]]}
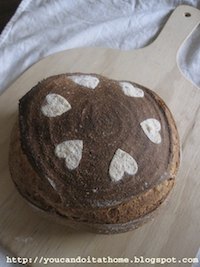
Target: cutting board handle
{"points": [[160, 56], [178, 28]]}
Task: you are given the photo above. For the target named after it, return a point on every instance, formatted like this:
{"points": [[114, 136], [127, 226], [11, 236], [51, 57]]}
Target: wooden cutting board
{"points": [[175, 232]]}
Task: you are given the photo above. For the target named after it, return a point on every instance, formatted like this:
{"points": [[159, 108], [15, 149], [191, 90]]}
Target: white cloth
{"points": [[42, 27]]}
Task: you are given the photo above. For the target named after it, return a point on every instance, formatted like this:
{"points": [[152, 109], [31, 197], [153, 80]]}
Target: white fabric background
{"points": [[42, 27]]}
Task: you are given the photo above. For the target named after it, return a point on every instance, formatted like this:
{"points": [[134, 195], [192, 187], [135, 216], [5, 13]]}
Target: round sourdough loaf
{"points": [[98, 153]]}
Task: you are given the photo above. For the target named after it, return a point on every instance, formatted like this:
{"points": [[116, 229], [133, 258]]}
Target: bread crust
{"points": [[119, 218], [105, 119], [122, 206]]}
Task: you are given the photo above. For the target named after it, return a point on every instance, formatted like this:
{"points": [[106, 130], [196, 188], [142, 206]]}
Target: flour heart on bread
{"points": [[71, 151], [55, 105], [88, 81], [122, 163], [131, 90], [151, 128]]}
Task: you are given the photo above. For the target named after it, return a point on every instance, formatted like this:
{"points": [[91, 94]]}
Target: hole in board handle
{"points": [[187, 14]]}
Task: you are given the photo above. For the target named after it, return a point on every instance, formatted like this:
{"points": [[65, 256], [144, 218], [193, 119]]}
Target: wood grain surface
{"points": [[175, 232]]}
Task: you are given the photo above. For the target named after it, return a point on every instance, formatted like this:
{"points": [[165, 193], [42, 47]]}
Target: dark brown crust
{"points": [[100, 228], [103, 112], [126, 216]]}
